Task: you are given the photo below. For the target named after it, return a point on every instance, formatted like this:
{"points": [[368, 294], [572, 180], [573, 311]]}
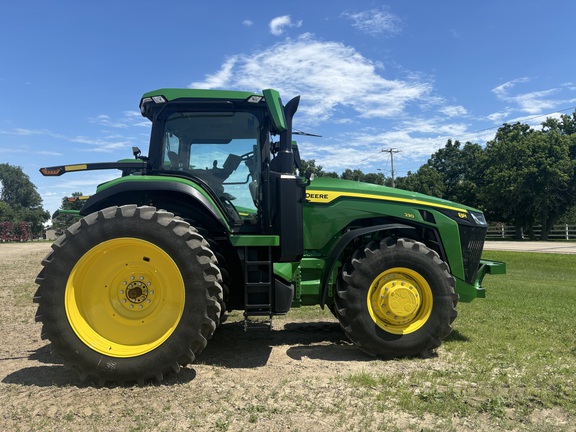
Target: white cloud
{"points": [[128, 119], [105, 144], [220, 78], [502, 90], [417, 139], [375, 21], [455, 34], [49, 153], [536, 102], [102, 145], [533, 102], [279, 24], [329, 75], [454, 111], [247, 23], [11, 151], [498, 117], [29, 132]]}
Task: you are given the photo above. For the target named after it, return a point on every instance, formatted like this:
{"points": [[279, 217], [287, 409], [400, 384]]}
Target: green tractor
{"points": [[218, 218]]}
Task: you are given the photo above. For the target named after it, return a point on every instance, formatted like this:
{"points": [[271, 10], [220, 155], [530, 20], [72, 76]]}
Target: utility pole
{"points": [[391, 151]]}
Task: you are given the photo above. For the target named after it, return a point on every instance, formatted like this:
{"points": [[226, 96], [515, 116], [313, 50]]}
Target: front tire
{"points": [[129, 294], [396, 299]]}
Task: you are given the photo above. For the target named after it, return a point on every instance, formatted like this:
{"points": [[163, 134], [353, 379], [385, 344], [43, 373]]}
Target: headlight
{"points": [[479, 218]]}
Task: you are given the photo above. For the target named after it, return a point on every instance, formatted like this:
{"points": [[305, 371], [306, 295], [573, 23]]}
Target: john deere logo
{"points": [[316, 196]]}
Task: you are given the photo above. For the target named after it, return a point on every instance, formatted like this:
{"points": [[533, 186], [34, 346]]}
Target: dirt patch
{"points": [[292, 377]]}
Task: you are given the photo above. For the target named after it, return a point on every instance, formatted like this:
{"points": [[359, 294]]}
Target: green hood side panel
{"points": [[327, 189], [334, 203]]}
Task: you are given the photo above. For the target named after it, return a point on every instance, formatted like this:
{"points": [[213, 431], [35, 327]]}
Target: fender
{"points": [[338, 248], [105, 198]]}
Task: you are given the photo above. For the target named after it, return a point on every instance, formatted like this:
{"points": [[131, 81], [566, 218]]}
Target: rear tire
{"points": [[129, 294], [396, 299], [222, 266]]}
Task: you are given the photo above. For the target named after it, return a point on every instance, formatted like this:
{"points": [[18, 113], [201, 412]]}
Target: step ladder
{"points": [[258, 282]]}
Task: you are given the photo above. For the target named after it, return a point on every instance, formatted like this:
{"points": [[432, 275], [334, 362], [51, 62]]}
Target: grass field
{"points": [[513, 354], [509, 364]]}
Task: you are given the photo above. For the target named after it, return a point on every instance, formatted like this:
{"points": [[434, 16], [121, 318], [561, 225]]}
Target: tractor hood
{"points": [[325, 190]]}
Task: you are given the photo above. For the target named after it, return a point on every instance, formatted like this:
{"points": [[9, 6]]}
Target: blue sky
{"points": [[372, 75]]}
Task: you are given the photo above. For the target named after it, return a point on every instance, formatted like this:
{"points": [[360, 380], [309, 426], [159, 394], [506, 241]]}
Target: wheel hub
{"points": [[136, 292], [396, 300]]}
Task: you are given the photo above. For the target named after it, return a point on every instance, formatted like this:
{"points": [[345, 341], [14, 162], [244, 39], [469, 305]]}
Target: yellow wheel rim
{"points": [[124, 297], [400, 300]]}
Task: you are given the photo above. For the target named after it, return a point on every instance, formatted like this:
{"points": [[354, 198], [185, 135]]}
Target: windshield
{"points": [[220, 149]]}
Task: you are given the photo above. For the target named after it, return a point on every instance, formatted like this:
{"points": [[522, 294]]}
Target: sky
{"points": [[372, 75]]}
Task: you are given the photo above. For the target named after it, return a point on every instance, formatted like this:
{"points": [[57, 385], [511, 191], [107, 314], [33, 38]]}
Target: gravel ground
{"points": [[291, 378]]}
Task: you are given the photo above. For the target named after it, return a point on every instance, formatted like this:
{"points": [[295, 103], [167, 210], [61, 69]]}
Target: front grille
{"points": [[472, 241]]}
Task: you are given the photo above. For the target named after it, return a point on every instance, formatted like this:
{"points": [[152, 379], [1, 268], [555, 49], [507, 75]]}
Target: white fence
{"points": [[563, 232]]}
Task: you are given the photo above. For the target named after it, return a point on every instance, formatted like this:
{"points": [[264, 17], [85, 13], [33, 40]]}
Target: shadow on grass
{"points": [[230, 347], [60, 376], [456, 336], [54, 373]]}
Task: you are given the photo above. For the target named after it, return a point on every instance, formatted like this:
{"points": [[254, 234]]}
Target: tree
{"points": [[6, 212], [355, 175], [62, 221], [21, 201], [459, 169], [528, 177], [309, 168], [569, 216], [331, 174], [375, 178], [566, 125], [426, 180]]}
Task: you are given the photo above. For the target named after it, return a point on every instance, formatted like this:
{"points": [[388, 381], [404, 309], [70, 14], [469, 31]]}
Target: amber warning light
{"points": [[52, 171]]}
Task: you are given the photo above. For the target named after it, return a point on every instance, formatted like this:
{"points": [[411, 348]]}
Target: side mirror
{"points": [[296, 153]]}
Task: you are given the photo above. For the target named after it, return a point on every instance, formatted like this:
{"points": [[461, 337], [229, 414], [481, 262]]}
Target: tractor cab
{"points": [[220, 150], [237, 148]]}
